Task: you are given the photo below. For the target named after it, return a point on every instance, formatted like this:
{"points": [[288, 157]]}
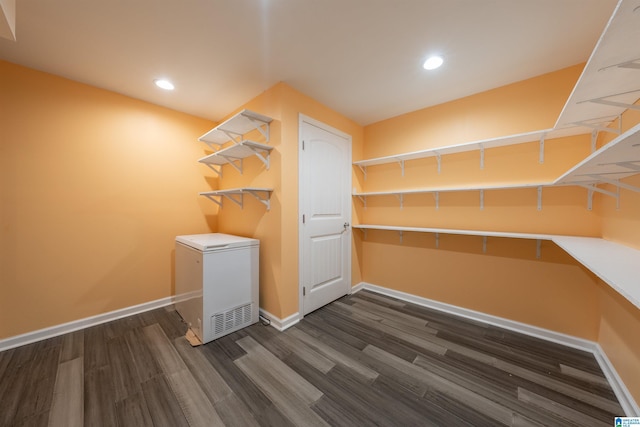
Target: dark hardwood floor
{"points": [[363, 360]]}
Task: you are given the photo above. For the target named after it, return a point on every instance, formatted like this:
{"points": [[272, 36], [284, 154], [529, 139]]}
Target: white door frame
{"points": [[306, 119]]}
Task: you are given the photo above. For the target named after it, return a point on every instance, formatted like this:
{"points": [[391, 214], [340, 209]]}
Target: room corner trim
{"points": [[64, 328], [280, 324], [360, 286], [625, 398]]}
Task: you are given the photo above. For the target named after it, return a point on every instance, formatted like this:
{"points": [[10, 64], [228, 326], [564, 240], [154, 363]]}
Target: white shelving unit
{"points": [[610, 82], [236, 195], [618, 159], [615, 264], [234, 131], [480, 145], [437, 190], [234, 155]]}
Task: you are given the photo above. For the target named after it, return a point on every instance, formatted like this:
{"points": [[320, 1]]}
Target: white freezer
{"points": [[217, 283]]}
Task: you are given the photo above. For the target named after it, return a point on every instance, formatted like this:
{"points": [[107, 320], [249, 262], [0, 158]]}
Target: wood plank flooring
{"points": [[365, 359]]}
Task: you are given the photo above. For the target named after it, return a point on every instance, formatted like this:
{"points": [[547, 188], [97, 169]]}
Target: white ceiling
{"points": [[362, 58]]}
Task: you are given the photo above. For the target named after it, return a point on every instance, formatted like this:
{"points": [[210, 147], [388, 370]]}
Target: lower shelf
{"points": [[614, 263], [236, 195]]}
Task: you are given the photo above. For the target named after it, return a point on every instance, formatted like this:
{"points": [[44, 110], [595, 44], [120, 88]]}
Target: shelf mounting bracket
{"points": [[616, 183], [484, 244], [604, 101], [401, 163], [538, 248], [214, 200], [594, 140], [401, 235], [437, 240], [364, 171], [264, 200], [232, 161], [258, 124], [265, 158], [439, 161], [218, 170], [598, 124], [481, 199], [540, 197], [541, 159], [436, 196], [481, 156], [239, 201], [401, 198]]}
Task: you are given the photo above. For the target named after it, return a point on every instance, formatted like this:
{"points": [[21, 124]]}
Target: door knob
{"points": [[346, 224]]}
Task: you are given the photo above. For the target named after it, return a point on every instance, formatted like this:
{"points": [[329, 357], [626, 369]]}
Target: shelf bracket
{"points": [[364, 171], [616, 183], [364, 233], [238, 201], [541, 159], [589, 198], [633, 64], [232, 161], [597, 124], [604, 101], [594, 140], [481, 156], [436, 196], [258, 125], [538, 248], [439, 160], [481, 199], [401, 163], [592, 188], [218, 171], [540, 197], [401, 198], [437, 240], [233, 135], [401, 235], [484, 244], [265, 158], [364, 201], [265, 201], [214, 200]]}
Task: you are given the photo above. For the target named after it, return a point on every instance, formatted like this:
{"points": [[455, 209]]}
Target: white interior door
{"points": [[325, 210]]}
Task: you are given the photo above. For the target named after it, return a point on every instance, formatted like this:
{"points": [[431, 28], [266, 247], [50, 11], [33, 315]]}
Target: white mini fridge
{"points": [[217, 283]]}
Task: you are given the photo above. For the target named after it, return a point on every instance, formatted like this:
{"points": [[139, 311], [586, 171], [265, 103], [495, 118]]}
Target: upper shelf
{"points": [[234, 128], [540, 135], [618, 159], [610, 82]]}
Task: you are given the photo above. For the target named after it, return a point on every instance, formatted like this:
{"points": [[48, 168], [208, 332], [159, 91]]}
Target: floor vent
{"points": [[231, 320]]}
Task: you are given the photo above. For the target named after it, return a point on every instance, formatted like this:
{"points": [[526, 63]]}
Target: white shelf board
{"points": [[242, 150], [482, 233], [612, 69], [476, 145], [243, 122], [618, 159], [616, 264], [509, 186], [239, 195]]}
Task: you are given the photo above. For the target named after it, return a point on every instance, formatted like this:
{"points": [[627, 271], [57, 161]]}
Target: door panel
{"points": [[325, 203]]}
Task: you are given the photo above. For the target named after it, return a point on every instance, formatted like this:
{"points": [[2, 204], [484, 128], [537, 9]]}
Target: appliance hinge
{"points": [[304, 291], [303, 144], [304, 218]]}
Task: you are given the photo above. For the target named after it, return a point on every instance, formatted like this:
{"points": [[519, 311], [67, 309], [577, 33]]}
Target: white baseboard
{"points": [[356, 288], [87, 322], [627, 401], [280, 324]]}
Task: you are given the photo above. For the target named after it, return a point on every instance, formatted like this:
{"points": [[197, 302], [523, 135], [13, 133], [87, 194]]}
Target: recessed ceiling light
{"points": [[433, 62], [164, 84]]}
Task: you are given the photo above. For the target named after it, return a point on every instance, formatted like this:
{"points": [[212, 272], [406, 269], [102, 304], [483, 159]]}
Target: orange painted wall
{"points": [[277, 229], [94, 186], [508, 280]]}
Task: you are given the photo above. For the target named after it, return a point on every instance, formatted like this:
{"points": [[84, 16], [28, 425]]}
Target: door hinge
{"points": [[304, 291]]}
